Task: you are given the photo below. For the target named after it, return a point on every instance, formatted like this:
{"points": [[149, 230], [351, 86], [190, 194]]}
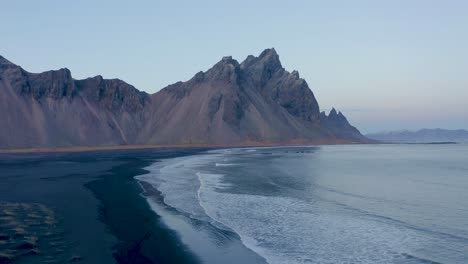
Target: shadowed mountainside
{"points": [[254, 102]]}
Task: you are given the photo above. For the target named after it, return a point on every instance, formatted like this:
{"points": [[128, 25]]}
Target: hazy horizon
{"points": [[386, 66]]}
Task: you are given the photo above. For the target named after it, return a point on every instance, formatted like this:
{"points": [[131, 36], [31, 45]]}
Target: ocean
{"points": [[391, 203]]}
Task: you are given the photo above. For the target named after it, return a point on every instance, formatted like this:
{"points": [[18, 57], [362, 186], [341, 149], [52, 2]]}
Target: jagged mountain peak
{"points": [[6, 65], [338, 124], [269, 54], [62, 71], [268, 60], [225, 61], [255, 102], [229, 60], [334, 115], [4, 61], [226, 69], [295, 74]]}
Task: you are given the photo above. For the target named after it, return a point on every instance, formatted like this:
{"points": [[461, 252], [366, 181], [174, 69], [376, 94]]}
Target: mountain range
{"points": [[255, 102], [421, 136]]}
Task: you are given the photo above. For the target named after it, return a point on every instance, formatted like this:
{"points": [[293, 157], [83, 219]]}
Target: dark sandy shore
{"points": [[175, 147], [83, 207]]}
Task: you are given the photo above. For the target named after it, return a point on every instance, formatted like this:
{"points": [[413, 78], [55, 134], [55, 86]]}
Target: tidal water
{"points": [[328, 204]]}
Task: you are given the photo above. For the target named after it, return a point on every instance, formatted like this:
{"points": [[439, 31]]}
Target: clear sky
{"points": [[385, 64]]}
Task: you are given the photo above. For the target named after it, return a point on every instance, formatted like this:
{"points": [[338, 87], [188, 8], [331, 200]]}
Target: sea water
{"points": [[328, 204]]}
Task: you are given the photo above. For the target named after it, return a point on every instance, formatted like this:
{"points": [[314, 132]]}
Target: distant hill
{"points": [[253, 102], [422, 136]]}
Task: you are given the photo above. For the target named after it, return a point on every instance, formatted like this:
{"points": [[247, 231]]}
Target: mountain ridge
{"points": [[253, 102]]}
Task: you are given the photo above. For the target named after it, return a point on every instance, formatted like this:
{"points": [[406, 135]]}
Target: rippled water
{"points": [[329, 204]]}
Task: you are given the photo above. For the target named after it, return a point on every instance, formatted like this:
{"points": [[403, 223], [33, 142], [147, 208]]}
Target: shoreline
{"points": [[210, 243], [129, 218], [99, 211], [176, 146]]}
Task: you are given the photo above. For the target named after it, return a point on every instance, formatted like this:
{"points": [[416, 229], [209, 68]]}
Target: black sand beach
{"points": [[83, 207]]}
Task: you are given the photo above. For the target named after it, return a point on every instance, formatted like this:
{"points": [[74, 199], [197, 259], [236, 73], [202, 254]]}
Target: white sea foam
{"points": [[178, 183], [282, 230], [225, 164], [285, 230]]}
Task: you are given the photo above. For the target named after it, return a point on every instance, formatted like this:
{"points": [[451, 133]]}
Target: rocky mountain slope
{"points": [[253, 102]]}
